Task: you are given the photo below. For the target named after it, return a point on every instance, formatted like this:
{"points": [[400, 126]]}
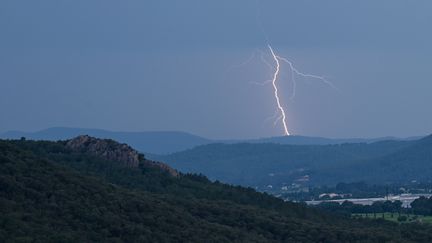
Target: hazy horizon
{"points": [[187, 66], [199, 135]]}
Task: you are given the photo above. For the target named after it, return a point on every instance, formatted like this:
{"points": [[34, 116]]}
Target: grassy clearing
{"points": [[404, 218]]}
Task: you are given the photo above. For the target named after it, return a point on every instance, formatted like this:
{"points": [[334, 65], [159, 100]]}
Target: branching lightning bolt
{"points": [[294, 71], [280, 114]]}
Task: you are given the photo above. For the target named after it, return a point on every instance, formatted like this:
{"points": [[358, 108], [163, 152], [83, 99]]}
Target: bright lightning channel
{"points": [[294, 71], [276, 91], [276, 73]]}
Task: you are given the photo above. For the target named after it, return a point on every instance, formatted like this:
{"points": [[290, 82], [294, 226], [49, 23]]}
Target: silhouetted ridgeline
{"points": [[163, 142], [92, 190]]}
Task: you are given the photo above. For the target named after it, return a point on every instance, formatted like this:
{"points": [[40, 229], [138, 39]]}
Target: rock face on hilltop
{"points": [[111, 150], [107, 149]]}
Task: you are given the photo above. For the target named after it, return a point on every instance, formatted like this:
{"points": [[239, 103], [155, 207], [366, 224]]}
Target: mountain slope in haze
{"points": [[170, 142], [59, 192], [261, 165], [413, 163], [146, 142]]}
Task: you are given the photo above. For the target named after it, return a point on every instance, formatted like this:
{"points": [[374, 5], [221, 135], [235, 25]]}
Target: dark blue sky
{"points": [[174, 65]]}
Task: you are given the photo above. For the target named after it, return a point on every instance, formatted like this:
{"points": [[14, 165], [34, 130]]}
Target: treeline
{"points": [[348, 208], [420, 206], [349, 190], [357, 190]]}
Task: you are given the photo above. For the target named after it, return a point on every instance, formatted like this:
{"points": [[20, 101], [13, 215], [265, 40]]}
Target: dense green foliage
{"points": [[422, 206], [260, 165], [51, 194]]}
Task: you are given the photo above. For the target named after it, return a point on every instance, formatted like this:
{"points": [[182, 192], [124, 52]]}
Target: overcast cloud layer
{"points": [[176, 65]]}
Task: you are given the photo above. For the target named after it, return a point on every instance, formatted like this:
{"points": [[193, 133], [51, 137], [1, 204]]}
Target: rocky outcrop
{"points": [[114, 151]]}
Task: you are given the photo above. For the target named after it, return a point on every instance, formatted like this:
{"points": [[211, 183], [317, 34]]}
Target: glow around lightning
{"points": [[276, 91]]}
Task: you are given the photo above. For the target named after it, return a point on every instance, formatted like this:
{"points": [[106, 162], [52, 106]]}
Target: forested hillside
{"points": [[261, 165], [56, 192]]}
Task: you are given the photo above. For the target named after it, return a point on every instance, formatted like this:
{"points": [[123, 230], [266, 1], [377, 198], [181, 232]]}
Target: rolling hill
{"points": [[265, 165], [413, 163]]}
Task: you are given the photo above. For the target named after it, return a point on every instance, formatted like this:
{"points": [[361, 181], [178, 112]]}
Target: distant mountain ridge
{"points": [[164, 142], [303, 140]]}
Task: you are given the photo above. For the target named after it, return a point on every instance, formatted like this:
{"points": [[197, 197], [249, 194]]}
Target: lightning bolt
{"points": [[294, 72], [280, 114], [275, 68], [276, 91]]}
